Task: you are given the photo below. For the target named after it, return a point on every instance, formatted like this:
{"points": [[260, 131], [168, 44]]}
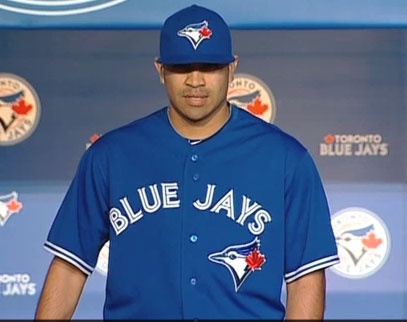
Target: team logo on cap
{"points": [[9, 205], [19, 109], [196, 33], [363, 242], [253, 95], [240, 260]]}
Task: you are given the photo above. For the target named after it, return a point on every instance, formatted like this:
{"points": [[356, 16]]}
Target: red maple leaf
{"points": [[257, 107], [329, 139], [22, 108], [14, 205], [205, 32], [255, 260], [94, 138], [371, 241]]}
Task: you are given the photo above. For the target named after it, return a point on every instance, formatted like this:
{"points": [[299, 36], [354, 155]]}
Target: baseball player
{"points": [[208, 209]]}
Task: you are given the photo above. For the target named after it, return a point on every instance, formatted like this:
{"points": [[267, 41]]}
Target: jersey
{"points": [[209, 230]]}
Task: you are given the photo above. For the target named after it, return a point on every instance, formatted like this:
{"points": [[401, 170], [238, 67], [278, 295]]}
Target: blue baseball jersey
{"points": [[206, 229]]}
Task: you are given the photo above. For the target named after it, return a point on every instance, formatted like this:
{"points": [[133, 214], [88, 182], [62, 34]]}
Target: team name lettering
{"points": [[153, 201]]}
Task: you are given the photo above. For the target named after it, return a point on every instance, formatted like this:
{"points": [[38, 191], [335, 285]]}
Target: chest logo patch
{"points": [[240, 260]]}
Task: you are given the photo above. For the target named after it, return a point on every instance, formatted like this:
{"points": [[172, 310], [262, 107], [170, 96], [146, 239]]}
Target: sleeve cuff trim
{"points": [[69, 257], [313, 266]]}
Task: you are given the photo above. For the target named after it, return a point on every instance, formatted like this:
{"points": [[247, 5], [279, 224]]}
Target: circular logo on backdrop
{"points": [[252, 94], [363, 242], [19, 109], [56, 7]]}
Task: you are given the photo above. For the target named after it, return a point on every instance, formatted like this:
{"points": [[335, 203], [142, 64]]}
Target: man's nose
{"points": [[195, 78]]}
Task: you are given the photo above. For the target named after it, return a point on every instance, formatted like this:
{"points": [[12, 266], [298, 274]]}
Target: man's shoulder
{"points": [[269, 132], [139, 125], [133, 133]]}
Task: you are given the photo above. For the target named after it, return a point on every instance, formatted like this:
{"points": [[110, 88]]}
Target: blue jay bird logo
{"points": [[243, 99], [357, 242], [6, 100], [19, 109], [253, 95], [240, 260], [363, 242], [9, 205], [196, 33]]}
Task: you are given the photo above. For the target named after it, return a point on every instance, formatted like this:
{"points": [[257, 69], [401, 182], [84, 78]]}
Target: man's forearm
{"points": [[61, 291], [306, 297]]}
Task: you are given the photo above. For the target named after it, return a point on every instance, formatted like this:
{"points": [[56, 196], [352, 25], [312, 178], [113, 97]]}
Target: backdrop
{"points": [[341, 91]]}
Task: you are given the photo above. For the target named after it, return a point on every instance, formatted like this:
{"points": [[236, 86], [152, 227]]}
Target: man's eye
{"points": [[187, 68], [179, 68]]}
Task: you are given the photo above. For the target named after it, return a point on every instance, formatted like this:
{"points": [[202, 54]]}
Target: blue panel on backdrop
{"points": [[151, 13]]}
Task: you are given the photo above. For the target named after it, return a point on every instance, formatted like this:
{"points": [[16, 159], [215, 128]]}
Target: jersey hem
{"points": [[69, 257], [311, 267]]}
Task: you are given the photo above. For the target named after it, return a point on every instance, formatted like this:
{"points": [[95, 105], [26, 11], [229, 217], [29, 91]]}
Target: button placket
{"points": [[191, 273]]}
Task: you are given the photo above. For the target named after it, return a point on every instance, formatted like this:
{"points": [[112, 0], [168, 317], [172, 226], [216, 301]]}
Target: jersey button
{"points": [[193, 238], [193, 281], [195, 177], [194, 158]]}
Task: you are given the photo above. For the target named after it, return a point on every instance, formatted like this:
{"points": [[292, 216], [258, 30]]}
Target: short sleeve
{"points": [[310, 243], [80, 227]]}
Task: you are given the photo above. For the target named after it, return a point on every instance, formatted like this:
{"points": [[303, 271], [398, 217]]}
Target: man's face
{"points": [[197, 91]]}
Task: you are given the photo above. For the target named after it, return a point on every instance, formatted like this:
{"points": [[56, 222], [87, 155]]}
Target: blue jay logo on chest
{"points": [[240, 260], [196, 33]]}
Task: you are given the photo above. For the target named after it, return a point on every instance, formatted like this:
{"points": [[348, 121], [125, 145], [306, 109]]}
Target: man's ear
{"points": [[160, 69], [232, 68]]}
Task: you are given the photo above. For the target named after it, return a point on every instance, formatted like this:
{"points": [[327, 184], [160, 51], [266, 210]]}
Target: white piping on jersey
{"points": [[72, 258], [67, 259], [310, 267], [194, 142], [197, 141]]}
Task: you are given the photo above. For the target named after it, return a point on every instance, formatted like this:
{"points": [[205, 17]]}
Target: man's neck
{"points": [[199, 129]]}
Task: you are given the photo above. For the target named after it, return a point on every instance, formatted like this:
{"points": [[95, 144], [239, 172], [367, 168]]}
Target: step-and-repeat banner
{"points": [[341, 92]]}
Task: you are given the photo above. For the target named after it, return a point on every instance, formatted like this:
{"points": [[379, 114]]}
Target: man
{"points": [[207, 208]]}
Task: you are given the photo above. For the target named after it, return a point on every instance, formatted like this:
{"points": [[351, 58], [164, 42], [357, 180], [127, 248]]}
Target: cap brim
{"points": [[196, 60]]}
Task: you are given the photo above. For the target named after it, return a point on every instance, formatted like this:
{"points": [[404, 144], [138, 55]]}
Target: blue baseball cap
{"points": [[195, 35]]}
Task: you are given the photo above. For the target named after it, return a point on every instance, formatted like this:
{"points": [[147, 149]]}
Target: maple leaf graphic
{"points": [[255, 260], [257, 107], [14, 205], [329, 139], [22, 108], [371, 241], [205, 32]]}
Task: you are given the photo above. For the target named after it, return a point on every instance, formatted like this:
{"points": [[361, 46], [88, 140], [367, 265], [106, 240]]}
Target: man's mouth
{"points": [[196, 100]]}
